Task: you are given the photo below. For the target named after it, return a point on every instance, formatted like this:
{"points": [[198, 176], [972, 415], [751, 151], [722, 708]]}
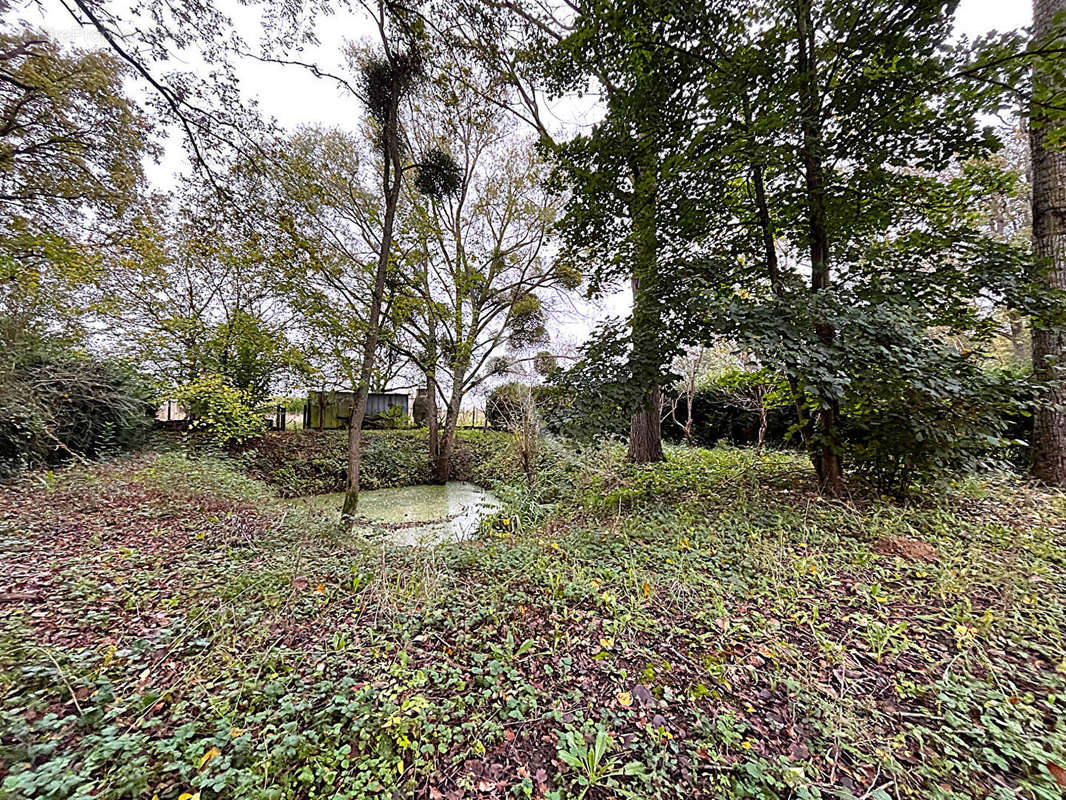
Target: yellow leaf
{"points": [[625, 699], [321, 589], [187, 796], [647, 590], [606, 643], [399, 766], [235, 732], [211, 753]]}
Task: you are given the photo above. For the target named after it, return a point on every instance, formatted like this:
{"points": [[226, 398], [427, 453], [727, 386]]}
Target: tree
{"points": [[1049, 243], [478, 260], [341, 210], [71, 145], [841, 248], [194, 290], [617, 219], [690, 366]]}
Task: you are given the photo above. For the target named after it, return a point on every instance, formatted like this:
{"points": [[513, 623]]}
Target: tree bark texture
{"points": [[1049, 246], [826, 454], [390, 180], [645, 425], [431, 417]]}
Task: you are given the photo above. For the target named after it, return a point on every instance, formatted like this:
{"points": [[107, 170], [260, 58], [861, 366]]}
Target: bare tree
{"points": [[691, 366], [479, 259], [524, 424]]}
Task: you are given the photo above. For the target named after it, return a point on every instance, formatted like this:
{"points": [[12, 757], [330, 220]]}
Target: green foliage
{"points": [[250, 354], [596, 395], [726, 407], [593, 765], [198, 289], [701, 628], [721, 192], [438, 175], [692, 646], [56, 405], [951, 415], [307, 462], [391, 419], [1012, 728], [224, 412], [73, 143]]}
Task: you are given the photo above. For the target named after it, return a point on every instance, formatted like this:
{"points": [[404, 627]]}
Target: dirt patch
{"points": [[909, 549]]}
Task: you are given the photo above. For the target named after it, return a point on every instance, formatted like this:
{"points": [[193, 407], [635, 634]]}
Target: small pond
{"points": [[417, 514]]}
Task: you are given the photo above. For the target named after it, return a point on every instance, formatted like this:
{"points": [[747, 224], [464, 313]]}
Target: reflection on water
{"points": [[417, 514]]}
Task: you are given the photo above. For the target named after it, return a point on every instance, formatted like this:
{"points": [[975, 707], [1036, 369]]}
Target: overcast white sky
{"points": [[293, 96]]}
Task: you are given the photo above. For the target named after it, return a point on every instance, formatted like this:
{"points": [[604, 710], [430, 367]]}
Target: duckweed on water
{"points": [[416, 514]]}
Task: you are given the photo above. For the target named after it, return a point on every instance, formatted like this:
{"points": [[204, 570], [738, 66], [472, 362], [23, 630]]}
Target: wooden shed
{"points": [[326, 410]]}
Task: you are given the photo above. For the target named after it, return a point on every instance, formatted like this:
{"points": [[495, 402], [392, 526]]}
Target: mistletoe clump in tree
{"points": [[340, 210]]}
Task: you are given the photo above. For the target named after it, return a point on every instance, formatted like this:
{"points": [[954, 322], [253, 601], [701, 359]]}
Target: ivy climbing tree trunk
{"points": [[645, 426], [1049, 245]]}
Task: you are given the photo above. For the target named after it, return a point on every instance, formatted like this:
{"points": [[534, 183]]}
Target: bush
{"points": [[391, 420], [506, 401], [58, 406], [959, 415], [501, 405], [223, 412], [725, 408]]}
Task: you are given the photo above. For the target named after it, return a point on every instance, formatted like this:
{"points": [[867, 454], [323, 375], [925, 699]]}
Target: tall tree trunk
{"points": [[451, 423], [773, 272], [826, 456], [1049, 245], [431, 418], [645, 426], [447, 443], [390, 174], [645, 429]]}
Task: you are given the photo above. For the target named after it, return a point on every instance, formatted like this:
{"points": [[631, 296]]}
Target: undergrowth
{"points": [[705, 627]]}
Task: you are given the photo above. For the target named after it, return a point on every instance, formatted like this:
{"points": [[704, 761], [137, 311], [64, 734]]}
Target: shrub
{"points": [[310, 462], [957, 415], [501, 404], [728, 406], [390, 420], [506, 401], [57, 406], [225, 413]]}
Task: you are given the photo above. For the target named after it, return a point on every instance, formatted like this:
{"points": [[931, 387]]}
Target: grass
{"points": [[705, 627]]}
